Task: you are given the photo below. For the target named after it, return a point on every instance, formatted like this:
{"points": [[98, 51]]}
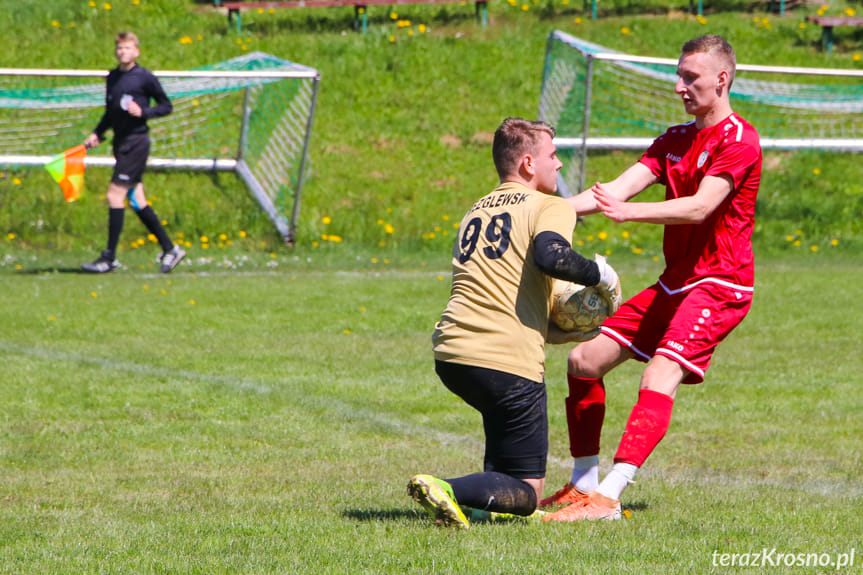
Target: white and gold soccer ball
{"points": [[575, 307]]}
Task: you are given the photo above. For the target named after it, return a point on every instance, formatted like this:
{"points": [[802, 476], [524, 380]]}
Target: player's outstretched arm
{"points": [[92, 141]]}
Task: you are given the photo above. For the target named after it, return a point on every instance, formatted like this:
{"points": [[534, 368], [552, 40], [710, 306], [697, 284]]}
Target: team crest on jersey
{"points": [[702, 158]]}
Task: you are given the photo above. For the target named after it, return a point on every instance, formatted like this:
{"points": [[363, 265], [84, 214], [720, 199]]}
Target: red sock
{"points": [[646, 426], [585, 411]]}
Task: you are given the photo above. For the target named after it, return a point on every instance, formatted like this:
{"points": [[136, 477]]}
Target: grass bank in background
{"points": [[401, 139]]}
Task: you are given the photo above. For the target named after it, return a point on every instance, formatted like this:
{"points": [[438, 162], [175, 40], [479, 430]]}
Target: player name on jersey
{"points": [[498, 200]]}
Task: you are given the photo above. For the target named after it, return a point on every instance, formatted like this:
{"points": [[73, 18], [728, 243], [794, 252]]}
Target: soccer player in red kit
{"points": [[711, 169]]}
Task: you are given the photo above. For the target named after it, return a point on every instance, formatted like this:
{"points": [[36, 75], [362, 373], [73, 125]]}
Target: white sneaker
{"points": [[172, 258]]}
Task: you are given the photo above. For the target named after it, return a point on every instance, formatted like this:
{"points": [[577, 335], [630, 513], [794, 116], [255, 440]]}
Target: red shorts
{"points": [[685, 327]]}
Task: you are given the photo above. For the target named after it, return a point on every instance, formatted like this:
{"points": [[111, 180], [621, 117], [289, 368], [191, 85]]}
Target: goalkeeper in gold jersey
{"points": [[489, 345]]}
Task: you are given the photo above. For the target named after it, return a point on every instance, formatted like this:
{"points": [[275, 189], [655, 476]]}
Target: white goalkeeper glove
{"points": [[609, 284]]}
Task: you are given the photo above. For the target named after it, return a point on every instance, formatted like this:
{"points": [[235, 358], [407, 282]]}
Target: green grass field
{"points": [[266, 419], [261, 409]]}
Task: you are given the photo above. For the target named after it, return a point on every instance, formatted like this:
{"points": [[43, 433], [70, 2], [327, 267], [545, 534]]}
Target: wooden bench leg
{"points": [[827, 39], [232, 12], [361, 18], [482, 12]]}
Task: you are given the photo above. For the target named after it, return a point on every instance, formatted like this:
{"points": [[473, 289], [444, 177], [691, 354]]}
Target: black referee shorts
{"points": [[514, 416], [131, 154]]}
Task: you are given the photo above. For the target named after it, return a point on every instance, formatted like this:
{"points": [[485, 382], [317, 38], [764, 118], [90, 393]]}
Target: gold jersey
{"points": [[497, 314]]}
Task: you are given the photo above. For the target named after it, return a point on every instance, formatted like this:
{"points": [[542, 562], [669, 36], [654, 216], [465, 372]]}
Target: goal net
{"points": [[250, 115], [598, 98]]}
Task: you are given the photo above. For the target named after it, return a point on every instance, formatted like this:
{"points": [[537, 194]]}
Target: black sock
{"points": [[115, 227], [151, 221], [491, 491]]}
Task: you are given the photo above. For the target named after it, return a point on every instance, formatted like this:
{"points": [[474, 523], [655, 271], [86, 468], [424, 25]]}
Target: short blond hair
{"points": [[513, 139], [716, 46], [126, 37]]}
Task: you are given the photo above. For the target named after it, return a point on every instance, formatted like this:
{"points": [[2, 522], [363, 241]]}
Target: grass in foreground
{"points": [[266, 420]]}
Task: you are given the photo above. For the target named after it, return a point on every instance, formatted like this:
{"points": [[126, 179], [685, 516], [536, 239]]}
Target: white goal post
{"points": [[600, 99], [250, 115]]}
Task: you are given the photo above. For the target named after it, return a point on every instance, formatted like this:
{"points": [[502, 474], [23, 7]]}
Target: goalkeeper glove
{"points": [[609, 284]]}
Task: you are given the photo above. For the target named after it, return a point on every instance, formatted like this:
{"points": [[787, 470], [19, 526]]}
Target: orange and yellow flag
{"points": [[67, 169]]}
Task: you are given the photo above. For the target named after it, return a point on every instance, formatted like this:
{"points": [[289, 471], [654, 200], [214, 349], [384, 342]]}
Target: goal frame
{"points": [[237, 164]]}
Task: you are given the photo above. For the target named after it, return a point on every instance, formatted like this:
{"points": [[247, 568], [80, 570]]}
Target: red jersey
{"points": [[719, 249]]}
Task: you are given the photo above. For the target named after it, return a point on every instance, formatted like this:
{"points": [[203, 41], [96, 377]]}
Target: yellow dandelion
{"points": [[326, 220], [445, 217], [205, 239], [51, 318], [362, 308], [382, 244], [200, 37], [525, 7], [92, 4], [10, 235], [394, 16], [816, 171], [637, 250], [272, 255], [374, 260], [834, 242], [55, 23], [185, 40], [260, 10], [701, 19], [602, 235], [789, 238], [146, 287], [94, 294], [422, 28], [136, 2], [392, 39], [107, 6], [625, 31], [410, 32], [336, 239], [242, 233], [850, 11], [578, 19], [389, 228], [151, 237], [440, 277], [856, 57], [797, 243], [16, 181], [802, 25], [814, 248], [223, 237], [163, 292], [315, 244], [624, 234]]}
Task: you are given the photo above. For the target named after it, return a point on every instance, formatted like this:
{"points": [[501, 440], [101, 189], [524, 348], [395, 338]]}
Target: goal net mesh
{"points": [[598, 98], [251, 115]]}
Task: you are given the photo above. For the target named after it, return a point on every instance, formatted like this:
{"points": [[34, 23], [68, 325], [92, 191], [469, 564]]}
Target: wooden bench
{"points": [[827, 23], [360, 8]]}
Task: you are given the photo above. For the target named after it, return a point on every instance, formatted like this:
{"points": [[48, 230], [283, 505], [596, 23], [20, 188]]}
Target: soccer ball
{"points": [[575, 307]]}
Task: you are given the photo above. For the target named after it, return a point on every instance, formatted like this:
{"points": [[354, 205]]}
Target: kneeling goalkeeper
{"points": [[489, 345]]}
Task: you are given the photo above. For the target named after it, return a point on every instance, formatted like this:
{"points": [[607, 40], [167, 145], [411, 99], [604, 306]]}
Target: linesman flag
{"points": [[67, 169]]}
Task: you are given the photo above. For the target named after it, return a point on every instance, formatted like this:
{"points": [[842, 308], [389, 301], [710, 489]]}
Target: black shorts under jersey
{"points": [[131, 154], [514, 416]]}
